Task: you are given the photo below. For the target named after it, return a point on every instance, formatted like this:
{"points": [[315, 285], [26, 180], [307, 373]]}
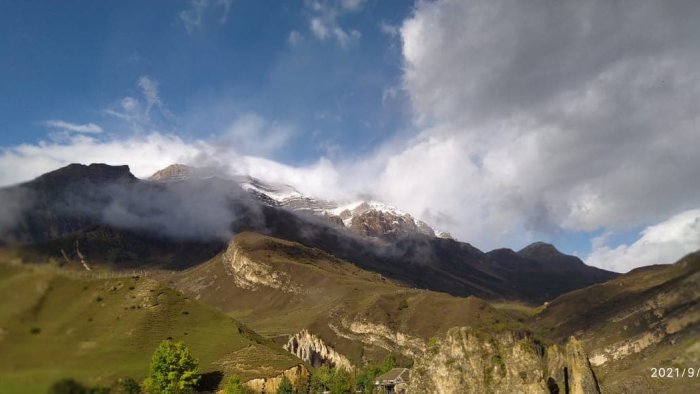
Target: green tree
{"points": [[285, 386], [173, 370], [67, 386], [301, 386], [341, 382], [321, 379], [235, 386], [389, 363], [366, 377], [127, 386], [336, 380]]}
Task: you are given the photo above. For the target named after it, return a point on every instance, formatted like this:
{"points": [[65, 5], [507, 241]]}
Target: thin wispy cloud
{"points": [[324, 22], [193, 16], [89, 128], [150, 92], [295, 38]]}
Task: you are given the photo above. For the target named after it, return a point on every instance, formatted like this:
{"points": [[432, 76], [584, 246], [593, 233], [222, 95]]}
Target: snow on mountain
{"points": [[366, 217]]}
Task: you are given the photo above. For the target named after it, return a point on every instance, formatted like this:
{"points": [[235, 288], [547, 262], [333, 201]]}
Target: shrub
{"points": [[127, 386], [403, 304], [234, 386], [285, 386], [71, 386], [173, 370], [67, 386]]}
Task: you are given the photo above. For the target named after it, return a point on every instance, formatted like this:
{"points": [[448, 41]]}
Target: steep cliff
{"points": [[249, 274], [468, 360], [313, 350], [269, 385]]}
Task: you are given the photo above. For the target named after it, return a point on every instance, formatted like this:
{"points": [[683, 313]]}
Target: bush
{"points": [[67, 386], [127, 386], [173, 370], [301, 386], [389, 363], [337, 381], [403, 304], [234, 386], [285, 386]]}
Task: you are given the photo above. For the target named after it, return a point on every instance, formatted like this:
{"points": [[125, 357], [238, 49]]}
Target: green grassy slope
{"points": [[53, 326]]}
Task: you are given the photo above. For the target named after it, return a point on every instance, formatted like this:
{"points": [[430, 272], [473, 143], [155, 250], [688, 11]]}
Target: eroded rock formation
{"points": [[313, 350], [467, 360]]}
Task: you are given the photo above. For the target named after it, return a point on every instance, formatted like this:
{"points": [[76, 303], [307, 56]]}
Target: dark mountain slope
{"points": [[127, 222]]}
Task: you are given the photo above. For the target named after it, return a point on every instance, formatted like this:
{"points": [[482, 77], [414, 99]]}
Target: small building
{"points": [[394, 381]]}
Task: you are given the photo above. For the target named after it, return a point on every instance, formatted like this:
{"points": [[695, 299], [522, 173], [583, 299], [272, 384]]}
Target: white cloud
{"points": [[150, 92], [89, 128], [541, 118], [663, 243], [324, 23], [390, 30], [145, 154], [532, 119], [352, 5], [295, 38], [252, 134], [192, 17]]}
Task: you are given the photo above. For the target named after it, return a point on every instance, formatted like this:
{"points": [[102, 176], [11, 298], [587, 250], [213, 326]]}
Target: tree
{"points": [[366, 378], [127, 386], [67, 386], [301, 386], [285, 386], [173, 369], [336, 380], [234, 386], [321, 379], [341, 382], [389, 363]]}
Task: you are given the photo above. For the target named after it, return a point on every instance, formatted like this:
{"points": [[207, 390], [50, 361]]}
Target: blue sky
{"points": [[72, 59], [500, 122]]}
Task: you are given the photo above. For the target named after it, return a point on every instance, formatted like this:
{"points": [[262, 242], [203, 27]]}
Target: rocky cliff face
{"points": [[375, 334], [313, 350], [269, 385], [250, 275], [467, 360]]}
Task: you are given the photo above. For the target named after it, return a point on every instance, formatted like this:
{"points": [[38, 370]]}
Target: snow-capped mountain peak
{"points": [[367, 217]]}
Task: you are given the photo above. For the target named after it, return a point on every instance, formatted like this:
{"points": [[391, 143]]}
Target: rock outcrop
{"points": [[249, 274], [269, 385], [374, 334], [313, 350], [468, 360]]}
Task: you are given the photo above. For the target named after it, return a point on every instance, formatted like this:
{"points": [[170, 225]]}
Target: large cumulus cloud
{"points": [[546, 116]]}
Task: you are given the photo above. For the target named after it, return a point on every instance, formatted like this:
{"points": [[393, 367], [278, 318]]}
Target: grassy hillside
{"points": [[323, 293], [53, 326]]}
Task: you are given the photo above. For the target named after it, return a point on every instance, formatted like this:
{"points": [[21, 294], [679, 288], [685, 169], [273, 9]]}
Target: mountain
{"points": [[205, 210], [369, 218]]}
